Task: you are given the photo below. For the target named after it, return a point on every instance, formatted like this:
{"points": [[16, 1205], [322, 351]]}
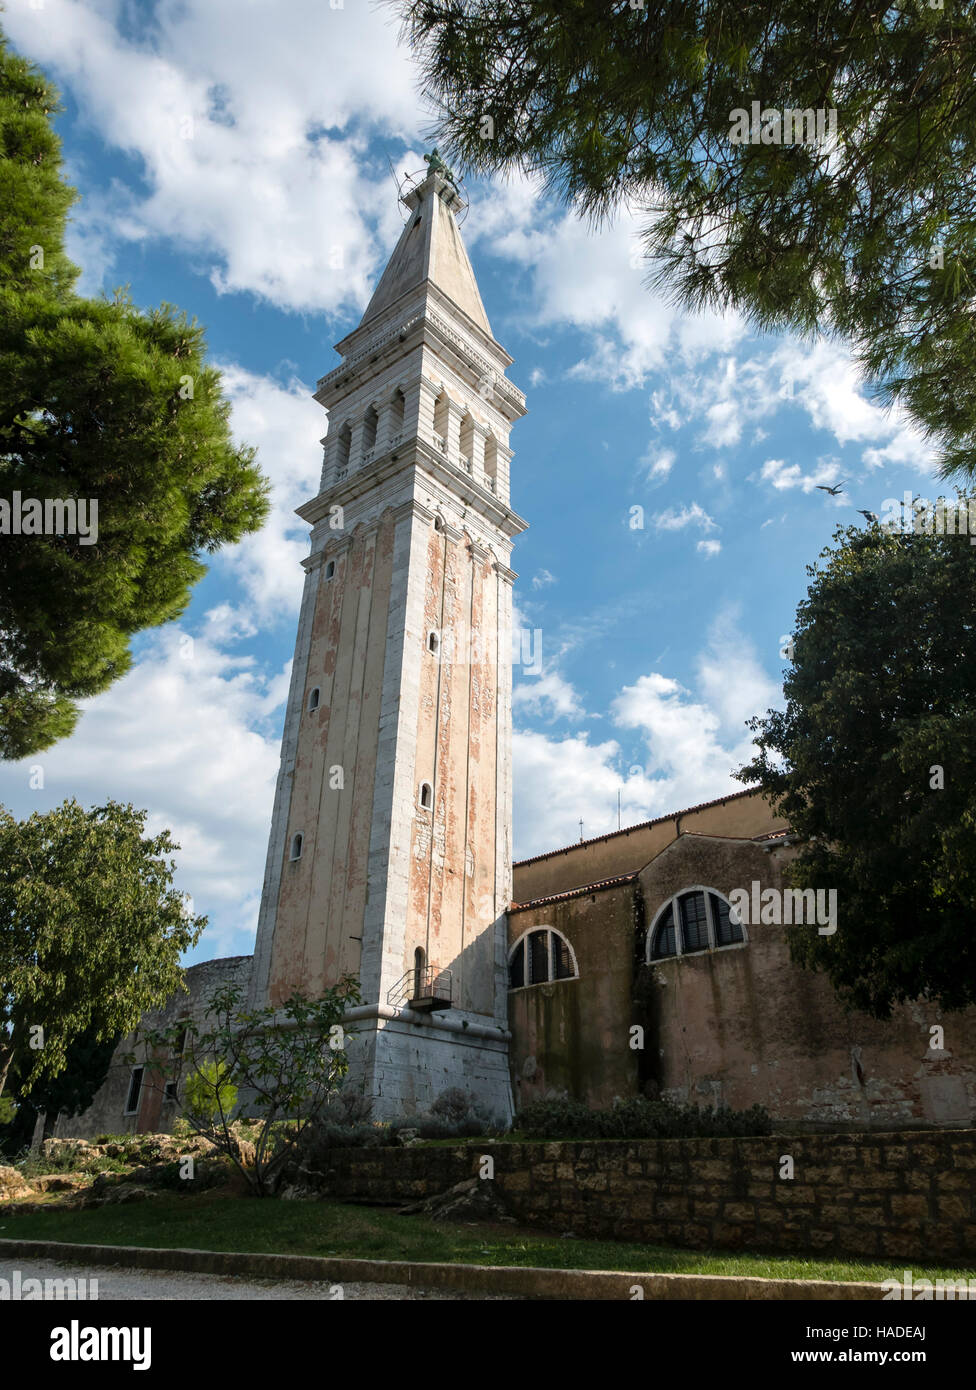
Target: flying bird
{"points": [[869, 516], [838, 487]]}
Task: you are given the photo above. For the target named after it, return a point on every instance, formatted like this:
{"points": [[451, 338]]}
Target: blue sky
{"points": [[232, 159]]}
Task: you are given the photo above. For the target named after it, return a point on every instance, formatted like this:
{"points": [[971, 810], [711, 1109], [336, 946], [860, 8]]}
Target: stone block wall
{"points": [[896, 1196]]}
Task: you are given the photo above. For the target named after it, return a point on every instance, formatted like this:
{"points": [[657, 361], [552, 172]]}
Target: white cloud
{"points": [[730, 674], [250, 132], [658, 462], [818, 378], [591, 279], [783, 476], [709, 548], [188, 733], [548, 694], [285, 424], [677, 520], [693, 743], [543, 579], [559, 781]]}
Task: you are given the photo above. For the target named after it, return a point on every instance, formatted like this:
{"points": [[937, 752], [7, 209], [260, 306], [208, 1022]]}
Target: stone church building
{"points": [[615, 967]]}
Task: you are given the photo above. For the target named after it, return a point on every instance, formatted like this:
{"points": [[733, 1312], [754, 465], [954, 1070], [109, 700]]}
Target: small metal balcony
{"points": [[425, 989]]}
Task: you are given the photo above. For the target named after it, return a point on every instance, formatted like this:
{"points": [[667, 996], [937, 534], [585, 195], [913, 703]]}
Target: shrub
{"points": [[452, 1105], [348, 1107], [289, 1061]]}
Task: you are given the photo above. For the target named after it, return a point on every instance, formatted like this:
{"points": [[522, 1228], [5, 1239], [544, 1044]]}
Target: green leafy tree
{"points": [[286, 1064], [72, 1090], [873, 763], [91, 932], [632, 104], [99, 404]]}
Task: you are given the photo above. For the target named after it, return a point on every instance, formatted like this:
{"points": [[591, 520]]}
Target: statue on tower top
{"points": [[436, 165]]}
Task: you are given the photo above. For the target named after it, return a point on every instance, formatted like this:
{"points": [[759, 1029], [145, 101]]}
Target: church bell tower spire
{"points": [[390, 848]]}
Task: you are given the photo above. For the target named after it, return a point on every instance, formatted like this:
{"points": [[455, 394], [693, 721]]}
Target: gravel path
{"points": [[141, 1285]]}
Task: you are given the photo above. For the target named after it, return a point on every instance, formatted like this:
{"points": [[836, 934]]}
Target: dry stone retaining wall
{"points": [[896, 1196]]}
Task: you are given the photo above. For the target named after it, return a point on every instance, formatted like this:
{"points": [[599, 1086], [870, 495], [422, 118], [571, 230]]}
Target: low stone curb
{"points": [[495, 1279]]}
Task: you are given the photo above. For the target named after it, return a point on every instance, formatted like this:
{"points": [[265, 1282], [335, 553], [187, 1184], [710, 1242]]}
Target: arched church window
{"points": [[329, 572], [539, 957], [398, 410], [696, 920], [426, 796], [441, 415], [342, 449], [433, 641], [419, 971], [313, 698], [467, 441], [491, 461], [296, 846], [370, 422]]}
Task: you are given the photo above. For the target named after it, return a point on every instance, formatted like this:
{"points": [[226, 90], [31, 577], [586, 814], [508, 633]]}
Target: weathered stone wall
{"points": [[106, 1114], [898, 1196], [735, 1025], [572, 1036], [743, 1025]]}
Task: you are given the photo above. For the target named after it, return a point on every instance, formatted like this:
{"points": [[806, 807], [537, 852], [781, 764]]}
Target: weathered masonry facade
{"points": [[390, 850], [633, 930]]}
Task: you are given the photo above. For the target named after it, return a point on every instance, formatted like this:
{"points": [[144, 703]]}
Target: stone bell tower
{"points": [[390, 849]]}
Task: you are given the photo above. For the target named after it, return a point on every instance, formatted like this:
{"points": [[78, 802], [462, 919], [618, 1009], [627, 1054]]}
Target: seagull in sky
{"points": [[869, 516], [838, 487]]}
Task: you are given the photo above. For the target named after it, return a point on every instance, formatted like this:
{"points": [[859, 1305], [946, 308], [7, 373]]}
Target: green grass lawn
{"points": [[214, 1222]]}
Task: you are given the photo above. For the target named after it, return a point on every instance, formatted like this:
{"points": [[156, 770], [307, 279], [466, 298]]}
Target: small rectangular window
{"points": [[135, 1087], [169, 1096]]}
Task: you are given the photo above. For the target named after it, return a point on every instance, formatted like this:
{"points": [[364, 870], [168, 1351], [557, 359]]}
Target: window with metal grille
{"points": [[539, 957], [562, 960], [516, 967], [727, 930], [664, 943], [697, 920], [694, 922]]}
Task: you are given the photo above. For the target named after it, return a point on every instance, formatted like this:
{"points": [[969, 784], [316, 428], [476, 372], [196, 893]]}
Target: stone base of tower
{"points": [[404, 1060]]}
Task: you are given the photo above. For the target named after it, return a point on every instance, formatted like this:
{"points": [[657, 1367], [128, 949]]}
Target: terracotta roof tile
{"points": [[576, 892]]}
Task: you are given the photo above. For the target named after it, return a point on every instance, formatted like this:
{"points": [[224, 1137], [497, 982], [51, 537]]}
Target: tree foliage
{"points": [[209, 1092], [873, 763], [71, 1090], [284, 1065], [91, 932], [103, 403], [622, 103]]}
